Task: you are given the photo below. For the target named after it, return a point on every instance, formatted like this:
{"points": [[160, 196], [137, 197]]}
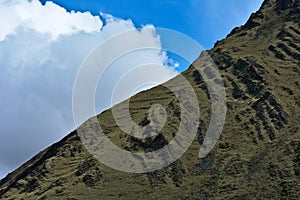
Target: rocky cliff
{"points": [[257, 156]]}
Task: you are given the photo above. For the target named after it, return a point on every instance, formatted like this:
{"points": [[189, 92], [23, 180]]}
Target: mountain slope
{"points": [[257, 156]]}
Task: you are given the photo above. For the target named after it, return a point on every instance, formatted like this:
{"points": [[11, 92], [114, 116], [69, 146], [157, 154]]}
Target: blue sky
{"points": [[204, 20], [42, 47]]}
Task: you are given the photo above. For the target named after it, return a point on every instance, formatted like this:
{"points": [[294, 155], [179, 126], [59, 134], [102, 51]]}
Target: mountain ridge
{"points": [[255, 157]]}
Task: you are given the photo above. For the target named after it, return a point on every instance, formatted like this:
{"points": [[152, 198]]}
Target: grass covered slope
{"points": [[257, 155]]}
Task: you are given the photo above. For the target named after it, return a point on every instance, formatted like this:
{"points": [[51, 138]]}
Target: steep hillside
{"points": [[257, 156]]}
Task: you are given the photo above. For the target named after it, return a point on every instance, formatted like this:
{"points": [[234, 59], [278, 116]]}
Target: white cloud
{"points": [[48, 19], [41, 50]]}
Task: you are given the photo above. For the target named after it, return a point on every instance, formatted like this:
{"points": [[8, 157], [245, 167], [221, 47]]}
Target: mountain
{"points": [[256, 157]]}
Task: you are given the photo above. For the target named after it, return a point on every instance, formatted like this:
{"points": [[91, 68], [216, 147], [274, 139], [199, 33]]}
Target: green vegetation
{"points": [[254, 158], [297, 150]]}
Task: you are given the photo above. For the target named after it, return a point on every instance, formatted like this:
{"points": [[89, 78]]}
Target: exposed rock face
{"points": [[257, 157]]}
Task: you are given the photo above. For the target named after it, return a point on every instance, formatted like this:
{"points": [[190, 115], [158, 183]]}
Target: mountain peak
{"points": [[257, 155], [272, 10]]}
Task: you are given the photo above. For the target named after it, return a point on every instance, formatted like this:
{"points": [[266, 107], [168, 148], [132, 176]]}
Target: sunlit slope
{"points": [[256, 156]]}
